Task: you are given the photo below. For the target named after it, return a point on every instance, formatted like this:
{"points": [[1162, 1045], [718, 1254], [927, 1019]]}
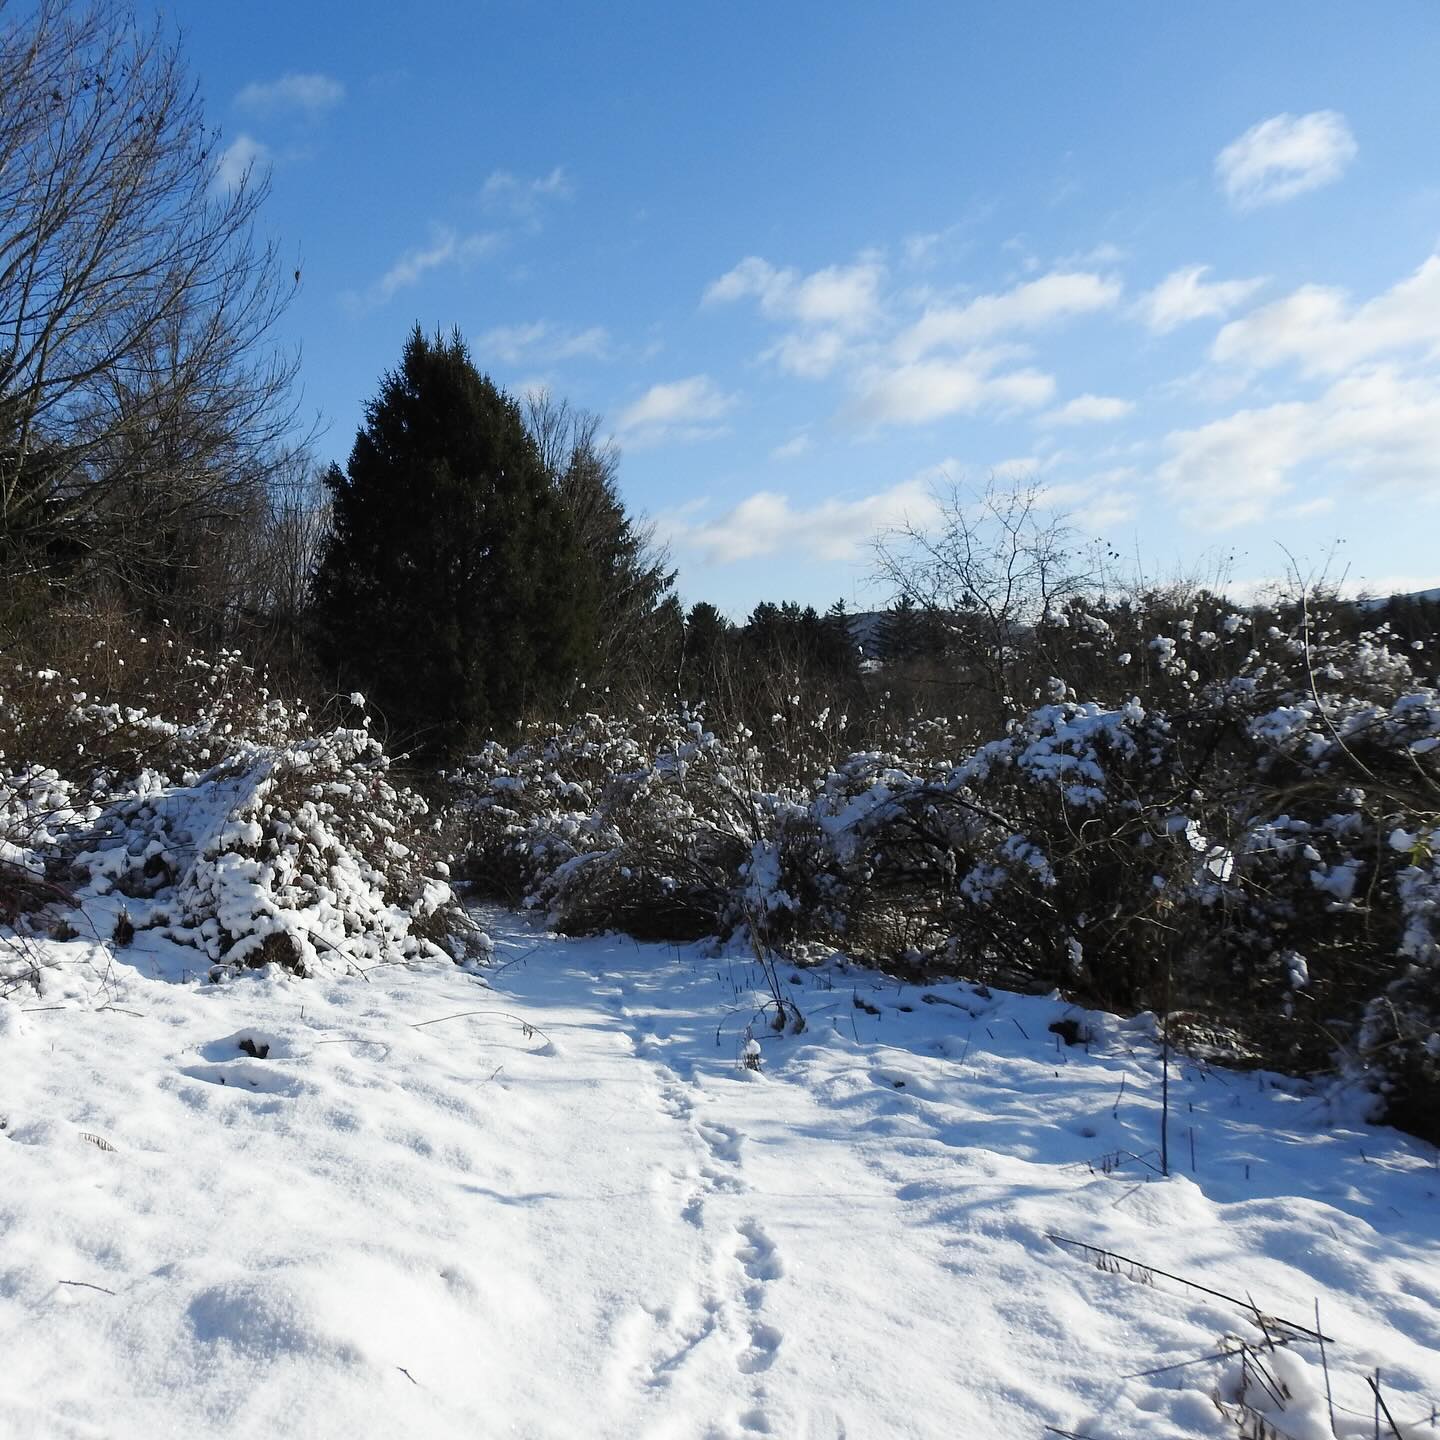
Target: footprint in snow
{"points": [[723, 1142], [675, 1103], [764, 1346], [757, 1254], [760, 1263]]}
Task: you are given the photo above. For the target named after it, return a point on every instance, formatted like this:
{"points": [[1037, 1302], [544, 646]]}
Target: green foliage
{"points": [[450, 591]]}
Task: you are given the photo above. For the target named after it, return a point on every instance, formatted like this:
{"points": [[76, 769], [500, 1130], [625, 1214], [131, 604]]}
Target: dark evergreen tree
{"points": [[628, 575], [839, 655], [449, 590], [899, 637], [707, 634]]}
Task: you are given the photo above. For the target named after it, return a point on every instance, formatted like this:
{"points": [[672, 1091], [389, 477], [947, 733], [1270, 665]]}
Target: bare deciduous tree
{"points": [[992, 566], [142, 401]]}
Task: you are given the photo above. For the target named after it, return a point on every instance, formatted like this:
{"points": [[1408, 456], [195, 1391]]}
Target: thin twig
{"points": [[1325, 1366], [1374, 1384], [1245, 1305], [1181, 1364], [530, 1029], [85, 1285]]}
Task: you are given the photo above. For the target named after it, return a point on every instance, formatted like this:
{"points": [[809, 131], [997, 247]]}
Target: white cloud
{"points": [[503, 190], [751, 277], [1283, 157], [768, 523], [1018, 468], [309, 92], [1186, 295], [1030, 306], [1320, 330], [931, 389], [1377, 423], [1088, 410], [539, 340], [676, 410], [1099, 503], [1353, 585], [1317, 505], [828, 307], [448, 248], [1386, 585], [793, 448], [810, 354], [242, 154], [845, 297]]}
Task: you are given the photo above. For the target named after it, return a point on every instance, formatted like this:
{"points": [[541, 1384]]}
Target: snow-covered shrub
{"points": [[1398, 1049], [1210, 834], [638, 825], [224, 820], [1072, 842], [289, 854]]}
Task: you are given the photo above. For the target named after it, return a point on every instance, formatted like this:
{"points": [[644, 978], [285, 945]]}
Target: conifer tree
{"points": [[448, 591], [899, 637]]}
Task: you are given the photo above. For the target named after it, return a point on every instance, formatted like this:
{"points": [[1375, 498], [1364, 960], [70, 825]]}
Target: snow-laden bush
{"points": [[226, 821], [1213, 841], [287, 854], [1399, 1040], [637, 825]]}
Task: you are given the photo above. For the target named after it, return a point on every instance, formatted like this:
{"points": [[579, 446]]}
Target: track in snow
{"points": [[605, 1226]]}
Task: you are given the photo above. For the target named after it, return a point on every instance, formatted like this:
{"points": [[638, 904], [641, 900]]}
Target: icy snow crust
{"points": [[568, 1208]]}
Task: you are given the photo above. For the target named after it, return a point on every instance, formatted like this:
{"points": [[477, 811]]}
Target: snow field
{"points": [[339, 1208]]}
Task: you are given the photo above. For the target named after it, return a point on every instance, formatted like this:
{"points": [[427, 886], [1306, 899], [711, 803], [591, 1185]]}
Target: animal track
{"points": [[764, 1345], [724, 1143], [758, 1256], [675, 1103], [731, 1303]]}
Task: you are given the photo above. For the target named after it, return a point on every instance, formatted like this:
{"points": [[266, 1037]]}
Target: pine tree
{"points": [[839, 655], [707, 636], [448, 591], [899, 637]]}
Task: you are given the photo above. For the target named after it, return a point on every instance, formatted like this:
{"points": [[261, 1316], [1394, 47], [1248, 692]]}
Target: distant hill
{"points": [[1376, 602], [865, 631]]}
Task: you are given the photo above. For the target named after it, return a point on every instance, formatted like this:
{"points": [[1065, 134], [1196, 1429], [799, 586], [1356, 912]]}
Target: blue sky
{"points": [[1178, 264]]}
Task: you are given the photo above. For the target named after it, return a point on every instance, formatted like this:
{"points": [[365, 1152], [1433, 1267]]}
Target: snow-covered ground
{"points": [[553, 1201]]}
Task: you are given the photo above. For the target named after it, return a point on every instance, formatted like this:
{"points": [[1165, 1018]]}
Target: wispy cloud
{"points": [[542, 342], [448, 248], [769, 522], [1027, 307], [1319, 329], [1376, 422], [844, 296], [828, 309], [523, 196], [310, 93], [1185, 295], [1088, 410], [927, 390], [676, 410], [1098, 503], [1285, 156], [237, 159], [793, 448]]}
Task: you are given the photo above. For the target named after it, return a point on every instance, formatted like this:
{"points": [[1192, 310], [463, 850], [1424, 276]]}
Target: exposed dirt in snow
{"points": [[553, 1202]]}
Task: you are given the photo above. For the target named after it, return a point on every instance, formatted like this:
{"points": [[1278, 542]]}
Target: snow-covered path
{"points": [[573, 1212]]}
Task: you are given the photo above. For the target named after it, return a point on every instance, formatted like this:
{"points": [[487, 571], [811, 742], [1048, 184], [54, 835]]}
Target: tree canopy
{"points": [[450, 590]]}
